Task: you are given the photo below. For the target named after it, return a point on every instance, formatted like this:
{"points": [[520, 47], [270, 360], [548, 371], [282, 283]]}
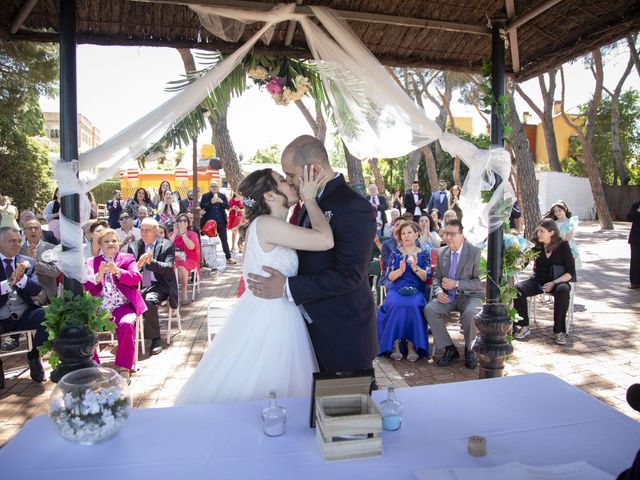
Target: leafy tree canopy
{"points": [[629, 109], [267, 155], [27, 71]]}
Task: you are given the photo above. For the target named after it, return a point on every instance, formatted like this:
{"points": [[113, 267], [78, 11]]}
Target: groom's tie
{"points": [[453, 268]]}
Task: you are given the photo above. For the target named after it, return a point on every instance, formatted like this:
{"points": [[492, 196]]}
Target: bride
{"points": [[264, 344]]}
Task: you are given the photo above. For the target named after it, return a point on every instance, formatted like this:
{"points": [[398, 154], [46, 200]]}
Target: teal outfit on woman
{"points": [[566, 226]]}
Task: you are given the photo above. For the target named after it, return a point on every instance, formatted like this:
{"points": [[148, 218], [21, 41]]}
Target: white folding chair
{"points": [[194, 277], [170, 316], [139, 340], [217, 313], [22, 335], [547, 298]]}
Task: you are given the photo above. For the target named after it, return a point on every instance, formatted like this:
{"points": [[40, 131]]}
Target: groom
{"points": [[332, 287]]}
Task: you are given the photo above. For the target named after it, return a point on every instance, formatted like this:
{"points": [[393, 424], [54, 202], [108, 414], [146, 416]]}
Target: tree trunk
{"points": [[220, 133], [411, 169], [621, 168], [430, 162], [526, 177], [354, 170], [322, 124], [225, 150], [546, 117], [631, 40], [604, 216], [377, 176]]}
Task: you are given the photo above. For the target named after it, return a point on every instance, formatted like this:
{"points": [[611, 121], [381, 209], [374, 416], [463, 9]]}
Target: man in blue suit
{"points": [[439, 200], [18, 283]]}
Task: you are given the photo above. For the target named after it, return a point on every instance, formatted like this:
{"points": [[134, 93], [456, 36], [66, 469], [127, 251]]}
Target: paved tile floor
{"points": [[601, 356]]}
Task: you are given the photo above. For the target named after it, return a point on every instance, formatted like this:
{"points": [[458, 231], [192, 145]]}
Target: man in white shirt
{"points": [[127, 233], [18, 284], [457, 288], [380, 206], [414, 202]]}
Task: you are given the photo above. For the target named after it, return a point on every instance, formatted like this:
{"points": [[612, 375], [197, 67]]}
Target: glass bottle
{"points": [[391, 410], [274, 417]]}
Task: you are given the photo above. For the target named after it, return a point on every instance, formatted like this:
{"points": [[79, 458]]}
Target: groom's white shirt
{"points": [[306, 316]]}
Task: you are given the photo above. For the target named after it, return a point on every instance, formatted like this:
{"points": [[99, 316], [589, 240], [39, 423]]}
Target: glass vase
{"points": [[90, 405]]}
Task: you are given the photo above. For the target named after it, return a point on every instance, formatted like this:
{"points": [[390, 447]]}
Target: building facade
{"points": [[88, 133]]}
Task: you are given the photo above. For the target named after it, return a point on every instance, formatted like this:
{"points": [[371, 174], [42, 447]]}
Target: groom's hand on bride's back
{"points": [[267, 286]]}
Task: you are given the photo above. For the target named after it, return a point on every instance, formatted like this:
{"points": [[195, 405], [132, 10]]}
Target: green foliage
{"points": [[23, 162], [27, 71], [513, 261], [267, 155], [104, 191], [629, 111], [489, 104], [74, 311]]}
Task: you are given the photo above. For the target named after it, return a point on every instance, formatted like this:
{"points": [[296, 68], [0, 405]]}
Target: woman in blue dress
{"points": [[400, 318]]}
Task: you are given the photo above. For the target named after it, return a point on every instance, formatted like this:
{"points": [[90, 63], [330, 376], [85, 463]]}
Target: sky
{"points": [[118, 85]]}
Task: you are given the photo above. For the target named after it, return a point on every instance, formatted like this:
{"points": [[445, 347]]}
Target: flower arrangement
{"points": [[90, 405], [284, 79]]}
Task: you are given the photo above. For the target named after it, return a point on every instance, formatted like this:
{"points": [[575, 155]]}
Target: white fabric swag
{"points": [[375, 117]]}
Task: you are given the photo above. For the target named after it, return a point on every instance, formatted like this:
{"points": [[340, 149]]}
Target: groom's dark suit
{"points": [[332, 286]]}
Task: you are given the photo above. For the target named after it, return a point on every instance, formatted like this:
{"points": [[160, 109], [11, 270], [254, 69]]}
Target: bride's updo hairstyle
{"points": [[252, 190]]}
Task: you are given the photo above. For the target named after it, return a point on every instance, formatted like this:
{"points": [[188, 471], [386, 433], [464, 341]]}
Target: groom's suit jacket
{"points": [[467, 273], [332, 286]]}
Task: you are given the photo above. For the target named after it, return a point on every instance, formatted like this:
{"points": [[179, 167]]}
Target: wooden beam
{"points": [[518, 22], [513, 37], [227, 48], [343, 14], [22, 15], [291, 29]]}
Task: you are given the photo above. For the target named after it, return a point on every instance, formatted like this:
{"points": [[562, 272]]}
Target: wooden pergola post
{"points": [[493, 322]]}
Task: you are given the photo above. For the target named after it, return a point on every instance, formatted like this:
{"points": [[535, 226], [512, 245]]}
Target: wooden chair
{"points": [[217, 313], [139, 340]]}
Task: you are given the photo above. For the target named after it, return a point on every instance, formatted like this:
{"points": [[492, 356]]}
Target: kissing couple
{"points": [[308, 306]]}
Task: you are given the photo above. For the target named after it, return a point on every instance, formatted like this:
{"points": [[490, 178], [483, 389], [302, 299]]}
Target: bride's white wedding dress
{"points": [[263, 345]]}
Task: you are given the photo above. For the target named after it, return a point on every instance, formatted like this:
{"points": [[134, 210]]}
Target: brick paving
{"points": [[600, 356]]}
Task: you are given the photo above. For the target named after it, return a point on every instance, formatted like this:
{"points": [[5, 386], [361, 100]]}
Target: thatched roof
{"points": [[444, 34]]}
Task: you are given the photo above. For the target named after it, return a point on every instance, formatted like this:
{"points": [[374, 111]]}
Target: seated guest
{"points": [[390, 245], [115, 207], [155, 257], [18, 284], [429, 237], [47, 235], [92, 248], [191, 222], [187, 259], [141, 213], [47, 272], [168, 209], [140, 198], [400, 316], [51, 214], [115, 278], [127, 233], [394, 214], [457, 288], [553, 269], [163, 232], [448, 216]]}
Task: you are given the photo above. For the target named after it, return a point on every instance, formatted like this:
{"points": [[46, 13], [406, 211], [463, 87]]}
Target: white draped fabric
{"points": [[376, 118]]}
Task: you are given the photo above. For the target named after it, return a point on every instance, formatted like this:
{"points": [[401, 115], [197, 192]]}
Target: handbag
{"points": [[407, 291], [557, 271]]}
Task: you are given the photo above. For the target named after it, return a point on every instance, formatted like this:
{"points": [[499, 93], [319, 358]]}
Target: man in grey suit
{"points": [[47, 272], [457, 288]]}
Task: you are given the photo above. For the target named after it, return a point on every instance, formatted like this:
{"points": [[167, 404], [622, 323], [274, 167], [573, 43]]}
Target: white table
{"points": [[535, 419]]}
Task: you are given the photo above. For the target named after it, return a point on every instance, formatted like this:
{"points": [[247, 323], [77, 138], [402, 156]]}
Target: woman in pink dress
{"points": [[115, 278], [236, 217], [187, 257]]}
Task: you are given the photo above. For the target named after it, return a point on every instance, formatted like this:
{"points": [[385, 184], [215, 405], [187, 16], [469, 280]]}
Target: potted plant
{"points": [[72, 323]]}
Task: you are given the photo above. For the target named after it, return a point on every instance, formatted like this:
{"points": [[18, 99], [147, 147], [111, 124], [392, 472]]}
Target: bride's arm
{"points": [[319, 237]]}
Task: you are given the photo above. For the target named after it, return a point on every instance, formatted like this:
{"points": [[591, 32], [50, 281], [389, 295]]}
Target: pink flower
{"points": [[275, 85]]}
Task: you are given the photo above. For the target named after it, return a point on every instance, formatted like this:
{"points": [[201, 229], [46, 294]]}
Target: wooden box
{"points": [[348, 426]]}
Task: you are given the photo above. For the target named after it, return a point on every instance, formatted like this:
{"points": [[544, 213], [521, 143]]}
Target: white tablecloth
{"points": [[534, 419]]}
